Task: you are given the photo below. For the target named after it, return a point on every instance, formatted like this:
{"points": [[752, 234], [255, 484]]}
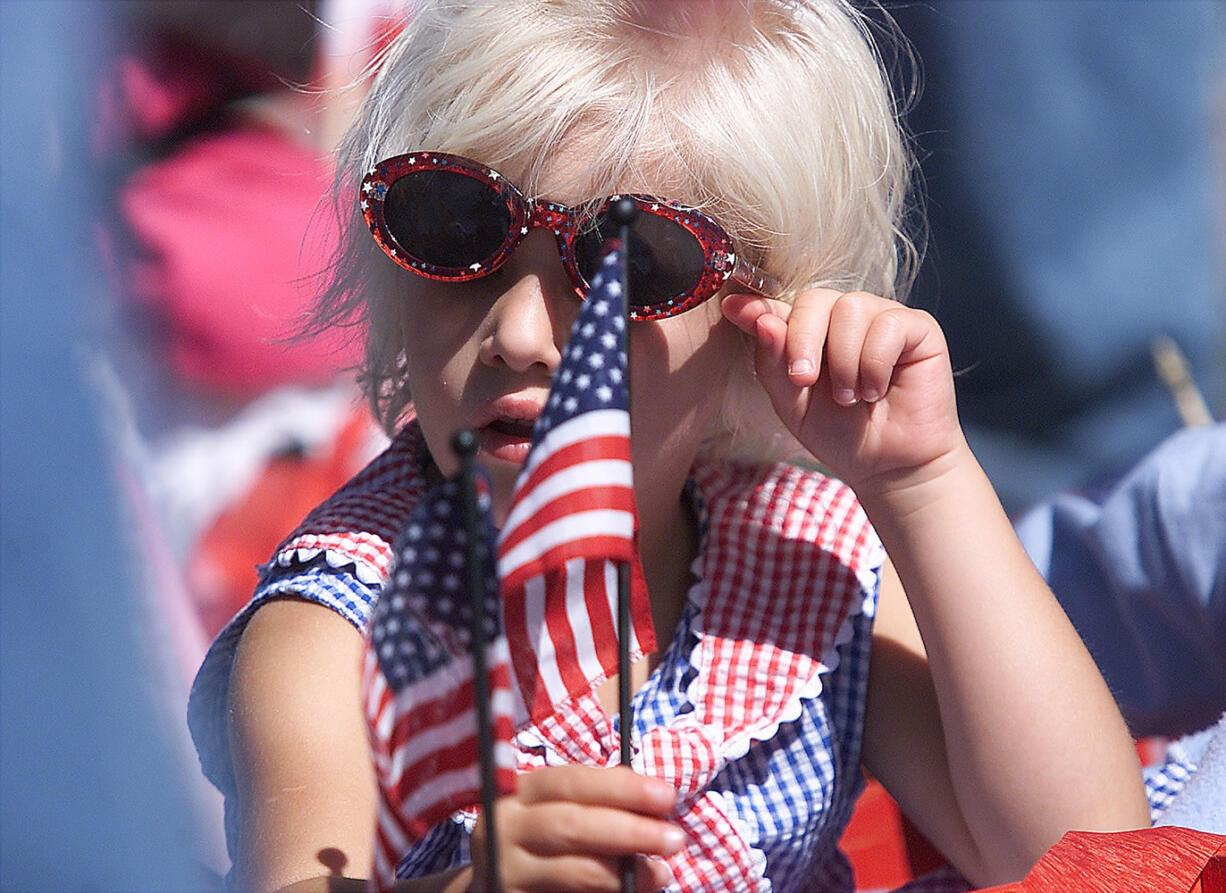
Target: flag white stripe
{"points": [[376, 683], [440, 787], [572, 479], [597, 522], [505, 755], [597, 423], [384, 873], [541, 641], [397, 842], [610, 587], [580, 621], [440, 682]]}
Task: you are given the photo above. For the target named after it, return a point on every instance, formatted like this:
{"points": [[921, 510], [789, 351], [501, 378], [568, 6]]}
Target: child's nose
{"points": [[531, 319]]}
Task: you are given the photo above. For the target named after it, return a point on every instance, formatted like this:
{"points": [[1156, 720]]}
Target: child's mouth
{"points": [[508, 439]]}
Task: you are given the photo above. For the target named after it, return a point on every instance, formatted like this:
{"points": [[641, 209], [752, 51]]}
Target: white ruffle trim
{"points": [[736, 746], [367, 572]]}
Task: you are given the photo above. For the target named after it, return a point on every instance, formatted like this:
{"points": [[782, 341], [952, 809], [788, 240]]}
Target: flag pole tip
{"points": [[464, 443], [623, 211]]}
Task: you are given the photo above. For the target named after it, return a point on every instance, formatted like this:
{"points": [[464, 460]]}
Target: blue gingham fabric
{"points": [[1163, 783]]}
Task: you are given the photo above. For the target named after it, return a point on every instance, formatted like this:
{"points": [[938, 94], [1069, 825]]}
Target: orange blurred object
{"points": [[885, 849], [222, 571]]}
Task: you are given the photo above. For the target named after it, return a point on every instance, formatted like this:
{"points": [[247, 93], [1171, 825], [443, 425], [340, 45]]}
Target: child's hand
{"points": [[567, 827], [863, 382]]}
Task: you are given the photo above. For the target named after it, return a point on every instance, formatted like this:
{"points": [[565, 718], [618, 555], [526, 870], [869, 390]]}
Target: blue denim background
{"points": [[91, 786], [1076, 198]]}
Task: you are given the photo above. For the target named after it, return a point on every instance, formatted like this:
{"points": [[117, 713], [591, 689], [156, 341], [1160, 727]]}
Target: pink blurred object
{"points": [[226, 235]]}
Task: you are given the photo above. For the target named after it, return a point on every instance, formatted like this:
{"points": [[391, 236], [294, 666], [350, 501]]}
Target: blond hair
{"points": [[773, 116]]}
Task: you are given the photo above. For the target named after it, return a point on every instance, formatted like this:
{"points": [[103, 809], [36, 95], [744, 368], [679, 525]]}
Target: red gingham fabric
{"points": [[786, 559]]}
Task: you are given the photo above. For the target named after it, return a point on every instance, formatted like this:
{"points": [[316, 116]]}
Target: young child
{"points": [[980, 711]]}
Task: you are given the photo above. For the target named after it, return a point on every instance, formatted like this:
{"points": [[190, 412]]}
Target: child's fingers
{"points": [[582, 873], [557, 828], [617, 787], [850, 319], [884, 343], [743, 311], [651, 873], [807, 330], [806, 317], [770, 364], [897, 337]]}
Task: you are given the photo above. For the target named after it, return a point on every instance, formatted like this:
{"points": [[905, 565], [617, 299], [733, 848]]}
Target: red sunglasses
{"points": [[448, 218]]}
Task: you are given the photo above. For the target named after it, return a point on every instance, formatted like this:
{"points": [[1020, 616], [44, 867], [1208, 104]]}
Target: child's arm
{"points": [[995, 732], [307, 791], [299, 748]]}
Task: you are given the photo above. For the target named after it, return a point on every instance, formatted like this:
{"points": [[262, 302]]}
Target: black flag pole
{"points": [[464, 444], [622, 213]]}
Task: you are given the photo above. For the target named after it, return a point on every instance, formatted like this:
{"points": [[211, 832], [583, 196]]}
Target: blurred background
{"points": [[164, 168], [1073, 160]]}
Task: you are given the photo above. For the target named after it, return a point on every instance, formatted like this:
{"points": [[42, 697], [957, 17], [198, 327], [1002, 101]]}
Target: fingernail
{"points": [[870, 396], [661, 870], [662, 792], [674, 838], [845, 396], [803, 366]]}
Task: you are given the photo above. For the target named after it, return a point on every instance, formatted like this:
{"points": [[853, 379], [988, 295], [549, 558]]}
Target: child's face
{"points": [[481, 355]]}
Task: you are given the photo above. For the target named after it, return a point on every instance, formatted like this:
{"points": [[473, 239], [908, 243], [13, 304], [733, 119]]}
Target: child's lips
{"points": [[513, 427], [505, 430], [507, 439]]}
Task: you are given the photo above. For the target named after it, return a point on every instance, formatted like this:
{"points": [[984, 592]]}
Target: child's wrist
{"points": [[898, 494]]}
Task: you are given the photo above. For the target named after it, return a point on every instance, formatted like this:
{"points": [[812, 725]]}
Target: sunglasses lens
{"points": [[446, 218], [666, 261]]}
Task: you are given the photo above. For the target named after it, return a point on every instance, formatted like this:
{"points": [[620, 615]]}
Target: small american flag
{"points": [[418, 680], [572, 517]]}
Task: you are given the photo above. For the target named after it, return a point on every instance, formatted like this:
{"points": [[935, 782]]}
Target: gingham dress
{"points": [[754, 713]]}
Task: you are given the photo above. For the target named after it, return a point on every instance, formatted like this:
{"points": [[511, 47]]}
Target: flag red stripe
{"points": [[616, 548], [389, 827], [607, 446], [560, 631], [522, 652], [419, 719], [599, 611], [607, 496], [462, 755]]}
